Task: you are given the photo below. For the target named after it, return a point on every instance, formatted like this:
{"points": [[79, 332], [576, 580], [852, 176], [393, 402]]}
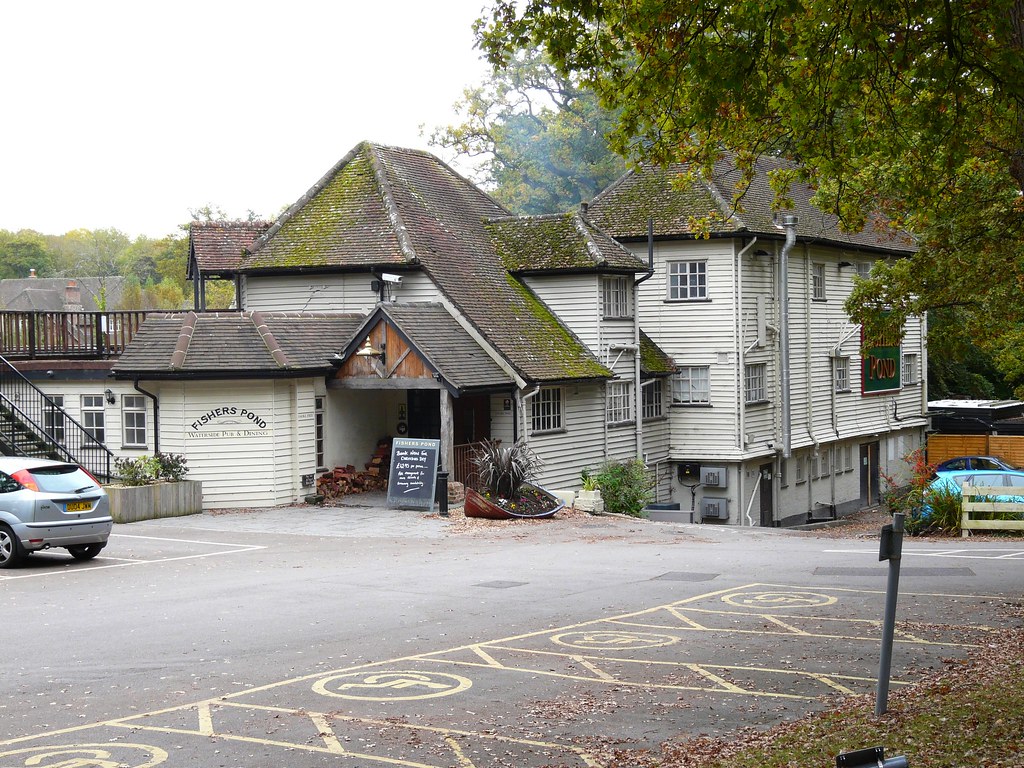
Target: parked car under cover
{"points": [[971, 463], [46, 504]]}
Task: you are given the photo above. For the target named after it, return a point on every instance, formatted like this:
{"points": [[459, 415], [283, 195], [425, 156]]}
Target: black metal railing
{"points": [[88, 335], [31, 424]]}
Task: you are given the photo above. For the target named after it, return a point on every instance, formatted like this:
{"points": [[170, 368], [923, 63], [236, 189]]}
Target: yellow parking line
{"points": [[327, 733], [600, 673], [784, 625]]}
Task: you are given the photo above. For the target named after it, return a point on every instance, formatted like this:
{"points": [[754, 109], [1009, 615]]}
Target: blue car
{"points": [[960, 463], [986, 478]]}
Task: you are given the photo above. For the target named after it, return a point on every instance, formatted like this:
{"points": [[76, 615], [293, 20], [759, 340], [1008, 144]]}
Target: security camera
{"points": [[388, 278]]}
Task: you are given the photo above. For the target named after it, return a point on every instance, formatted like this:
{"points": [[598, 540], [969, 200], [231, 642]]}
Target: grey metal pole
{"points": [[891, 549]]}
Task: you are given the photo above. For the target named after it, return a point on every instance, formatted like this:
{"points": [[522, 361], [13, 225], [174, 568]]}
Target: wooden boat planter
{"points": [[540, 504]]}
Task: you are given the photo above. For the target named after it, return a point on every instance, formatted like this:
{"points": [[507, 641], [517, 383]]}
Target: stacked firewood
{"points": [[344, 480]]}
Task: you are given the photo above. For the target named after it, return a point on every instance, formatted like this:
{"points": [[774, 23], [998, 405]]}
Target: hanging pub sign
{"points": [[881, 364]]}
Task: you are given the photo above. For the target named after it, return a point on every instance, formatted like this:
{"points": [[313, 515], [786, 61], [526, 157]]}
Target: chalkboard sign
{"points": [[413, 472]]}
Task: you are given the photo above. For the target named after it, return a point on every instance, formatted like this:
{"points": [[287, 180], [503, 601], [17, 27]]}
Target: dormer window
{"points": [[615, 297]]}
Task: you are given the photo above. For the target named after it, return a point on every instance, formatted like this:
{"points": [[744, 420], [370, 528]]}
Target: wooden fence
{"points": [[979, 499], [1009, 448]]}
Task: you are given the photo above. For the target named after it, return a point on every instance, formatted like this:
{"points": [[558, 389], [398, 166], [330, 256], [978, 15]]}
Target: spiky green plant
{"points": [[503, 469]]}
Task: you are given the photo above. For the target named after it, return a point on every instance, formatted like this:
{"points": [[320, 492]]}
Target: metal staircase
{"points": [[31, 424]]}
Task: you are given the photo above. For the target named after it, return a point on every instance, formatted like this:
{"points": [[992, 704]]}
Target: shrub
{"points": [[940, 511], [145, 470], [503, 469], [626, 487], [909, 498]]}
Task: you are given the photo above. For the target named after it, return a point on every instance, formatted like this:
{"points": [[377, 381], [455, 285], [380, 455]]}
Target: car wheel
{"points": [[11, 552], [85, 551]]}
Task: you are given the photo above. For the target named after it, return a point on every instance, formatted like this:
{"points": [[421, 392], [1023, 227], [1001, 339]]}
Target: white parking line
{"points": [[124, 562], [954, 554]]}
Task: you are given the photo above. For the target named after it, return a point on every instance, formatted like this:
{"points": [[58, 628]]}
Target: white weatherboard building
{"points": [[571, 331]]}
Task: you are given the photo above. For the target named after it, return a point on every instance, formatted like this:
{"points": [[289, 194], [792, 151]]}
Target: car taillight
{"points": [[24, 477], [91, 476]]}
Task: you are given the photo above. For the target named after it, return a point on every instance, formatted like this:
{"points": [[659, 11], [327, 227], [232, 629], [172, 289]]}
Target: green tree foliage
{"points": [[538, 137], [22, 252], [915, 111]]}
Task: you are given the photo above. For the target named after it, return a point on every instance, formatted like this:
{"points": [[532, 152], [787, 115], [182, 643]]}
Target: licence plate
{"points": [[79, 506]]}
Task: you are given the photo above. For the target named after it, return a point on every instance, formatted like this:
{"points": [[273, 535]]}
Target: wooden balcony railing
{"points": [[55, 335]]}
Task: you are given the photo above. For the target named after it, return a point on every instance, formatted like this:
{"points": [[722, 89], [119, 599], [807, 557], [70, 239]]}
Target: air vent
{"points": [[716, 508], [713, 477]]}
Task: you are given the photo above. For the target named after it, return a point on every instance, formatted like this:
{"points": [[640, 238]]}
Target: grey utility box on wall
{"points": [[714, 477], [714, 507]]}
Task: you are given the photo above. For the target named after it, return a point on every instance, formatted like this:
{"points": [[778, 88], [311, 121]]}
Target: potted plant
{"points": [[506, 490], [149, 487], [589, 497]]}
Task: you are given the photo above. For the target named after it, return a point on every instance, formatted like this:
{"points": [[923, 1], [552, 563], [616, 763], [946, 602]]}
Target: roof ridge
{"points": [[310, 193], [401, 232], [188, 327], [273, 346], [728, 210], [580, 225]]}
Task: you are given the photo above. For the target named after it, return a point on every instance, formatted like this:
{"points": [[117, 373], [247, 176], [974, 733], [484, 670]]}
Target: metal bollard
{"points": [[872, 757], [442, 494]]}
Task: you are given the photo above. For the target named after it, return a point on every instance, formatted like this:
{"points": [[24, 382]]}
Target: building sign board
{"points": [[881, 365]]}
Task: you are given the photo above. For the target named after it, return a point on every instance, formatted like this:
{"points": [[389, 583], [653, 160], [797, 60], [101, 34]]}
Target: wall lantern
{"points": [[109, 395]]}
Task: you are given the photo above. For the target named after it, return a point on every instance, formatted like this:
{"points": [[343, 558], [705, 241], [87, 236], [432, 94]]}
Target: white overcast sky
{"points": [[128, 114]]}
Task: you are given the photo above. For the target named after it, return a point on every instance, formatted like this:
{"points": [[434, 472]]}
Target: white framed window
{"points": [[909, 371], [318, 431], [818, 282], [841, 374], [618, 402], [616, 294], [848, 458], [687, 280], [754, 388], [824, 462], [546, 410], [784, 473], [799, 468], [133, 420], [53, 419], [92, 417], [864, 269], [692, 385], [650, 397]]}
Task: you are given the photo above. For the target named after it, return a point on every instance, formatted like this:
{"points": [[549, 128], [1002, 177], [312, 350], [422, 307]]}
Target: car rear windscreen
{"points": [[65, 478]]}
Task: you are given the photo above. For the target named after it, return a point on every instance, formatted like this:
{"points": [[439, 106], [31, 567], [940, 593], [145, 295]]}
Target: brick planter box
{"points": [[129, 504]]}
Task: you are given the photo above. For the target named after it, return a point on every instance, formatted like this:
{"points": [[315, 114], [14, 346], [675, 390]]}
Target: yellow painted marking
{"points": [[685, 619], [593, 668], [779, 599], [205, 719], [132, 723], [85, 755], [390, 685], [827, 680], [598, 639], [784, 625], [491, 661], [464, 761], [818, 635], [327, 733], [725, 684]]}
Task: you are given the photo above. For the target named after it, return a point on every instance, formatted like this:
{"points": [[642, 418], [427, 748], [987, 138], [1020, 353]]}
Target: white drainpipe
{"points": [[522, 411], [789, 221]]}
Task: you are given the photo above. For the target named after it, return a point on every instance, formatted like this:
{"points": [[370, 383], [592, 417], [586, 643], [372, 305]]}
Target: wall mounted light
{"points": [[843, 264], [109, 395]]}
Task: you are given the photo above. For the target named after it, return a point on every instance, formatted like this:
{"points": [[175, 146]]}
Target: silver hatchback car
{"points": [[46, 504]]}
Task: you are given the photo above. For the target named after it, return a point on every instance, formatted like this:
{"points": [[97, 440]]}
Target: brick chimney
{"points": [[72, 297]]}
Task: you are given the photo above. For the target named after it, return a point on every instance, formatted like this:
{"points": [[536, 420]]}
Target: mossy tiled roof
{"points": [[675, 202], [555, 243], [219, 246], [231, 344], [387, 206], [653, 359]]}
